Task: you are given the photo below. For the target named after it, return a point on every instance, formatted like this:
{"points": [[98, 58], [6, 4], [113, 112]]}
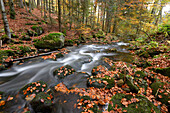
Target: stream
{"points": [[82, 58]]}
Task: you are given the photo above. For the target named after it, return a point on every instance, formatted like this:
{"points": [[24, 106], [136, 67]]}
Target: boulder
{"points": [[63, 71], [42, 103], [139, 104], [33, 88], [68, 42], [52, 41], [26, 38], [163, 71], [39, 30]]}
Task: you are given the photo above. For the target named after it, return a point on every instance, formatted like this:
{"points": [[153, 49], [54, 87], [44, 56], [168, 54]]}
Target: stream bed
{"points": [[82, 58]]}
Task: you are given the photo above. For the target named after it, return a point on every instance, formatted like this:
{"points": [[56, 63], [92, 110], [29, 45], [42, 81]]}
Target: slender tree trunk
{"points": [[12, 9], [104, 11], [70, 13], [46, 4], [38, 3], [63, 7], [30, 6], [25, 6], [159, 16], [98, 15], [41, 9], [5, 21], [44, 10], [59, 16], [21, 4]]}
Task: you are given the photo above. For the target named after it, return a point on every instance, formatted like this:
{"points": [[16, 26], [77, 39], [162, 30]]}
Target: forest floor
{"points": [[125, 87]]}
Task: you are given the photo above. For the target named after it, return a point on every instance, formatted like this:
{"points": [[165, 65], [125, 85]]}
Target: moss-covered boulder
{"points": [[140, 74], [39, 30], [63, 71], [68, 42], [130, 104], [31, 33], [25, 37], [5, 39], [161, 94], [42, 103], [5, 54], [163, 71], [14, 35], [106, 82], [130, 83], [85, 100], [52, 41], [33, 88], [100, 34]]}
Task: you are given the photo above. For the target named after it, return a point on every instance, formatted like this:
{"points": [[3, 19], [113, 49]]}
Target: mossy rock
{"points": [[5, 39], [143, 105], [140, 74], [33, 88], [156, 87], [95, 71], [63, 71], [59, 55], [101, 82], [96, 83], [52, 41], [129, 82], [14, 36], [26, 38], [100, 34], [110, 81], [31, 33], [42, 103], [39, 30], [68, 42], [163, 71], [95, 108], [4, 54]]}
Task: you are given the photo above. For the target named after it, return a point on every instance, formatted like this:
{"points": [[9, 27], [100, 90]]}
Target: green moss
{"points": [[163, 71], [40, 106], [63, 71], [156, 87], [142, 106], [141, 73], [33, 88], [55, 35], [68, 42], [5, 53], [129, 82], [39, 30], [84, 104], [30, 24]]}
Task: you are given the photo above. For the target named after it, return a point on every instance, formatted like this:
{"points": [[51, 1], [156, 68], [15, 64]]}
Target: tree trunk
{"points": [[38, 3], [5, 21], [12, 10], [63, 8], [59, 15], [104, 11], [21, 4], [30, 6], [44, 10]]}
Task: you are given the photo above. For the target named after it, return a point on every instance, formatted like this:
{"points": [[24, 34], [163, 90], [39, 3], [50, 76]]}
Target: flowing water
{"points": [[82, 59]]}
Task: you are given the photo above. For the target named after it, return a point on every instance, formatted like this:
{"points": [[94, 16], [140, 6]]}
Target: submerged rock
{"points": [[137, 104]]}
